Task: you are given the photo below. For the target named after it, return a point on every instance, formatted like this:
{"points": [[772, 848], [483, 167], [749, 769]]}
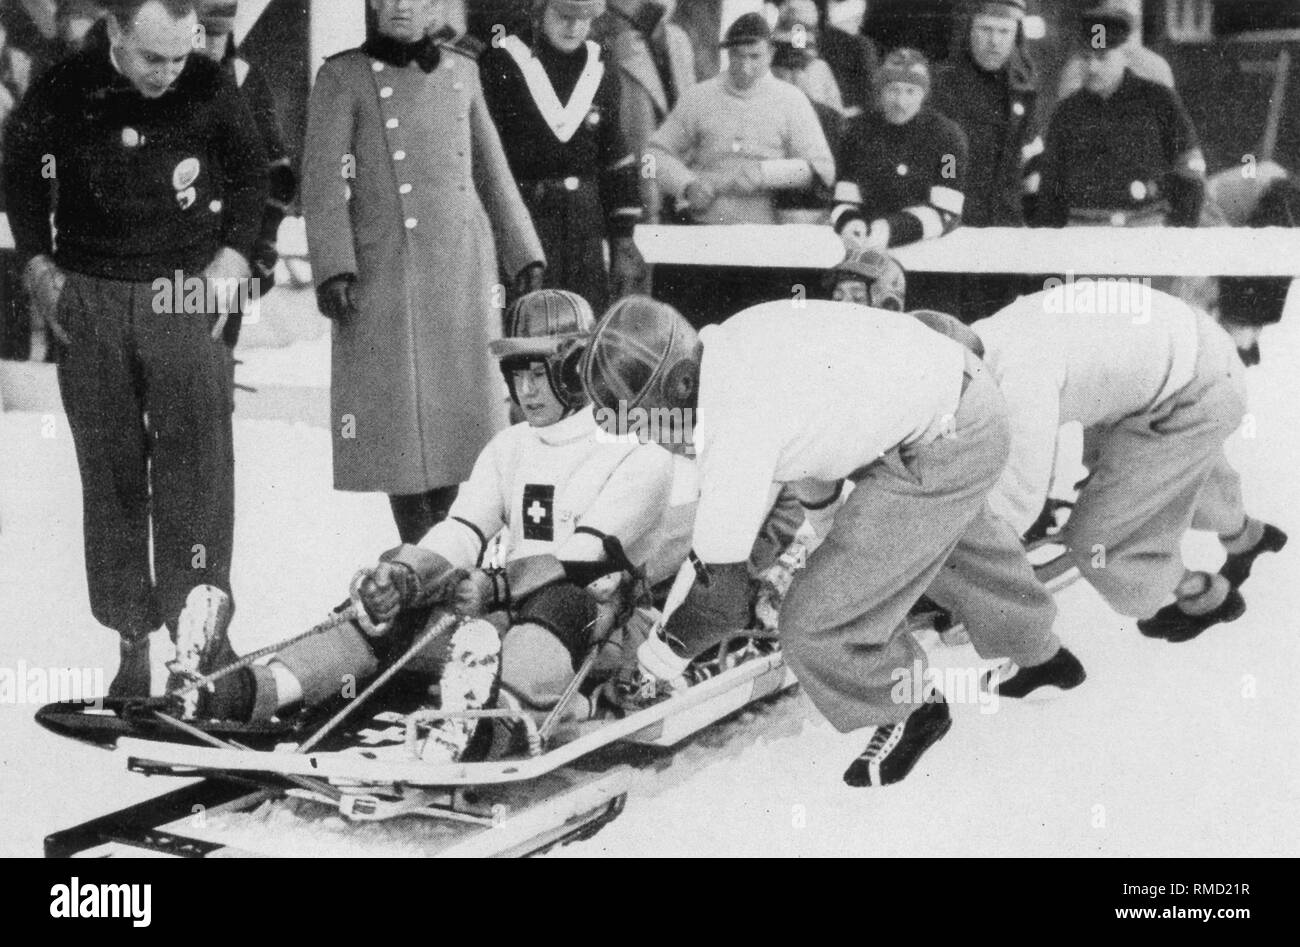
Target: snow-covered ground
{"points": [[1166, 750]]}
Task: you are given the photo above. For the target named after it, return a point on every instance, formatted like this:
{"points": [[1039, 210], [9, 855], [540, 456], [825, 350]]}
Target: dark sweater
{"points": [[596, 152], [1123, 153], [996, 111], [139, 187], [896, 167]]}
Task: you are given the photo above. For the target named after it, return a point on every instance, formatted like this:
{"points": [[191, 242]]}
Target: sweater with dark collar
{"points": [[138, 187]]}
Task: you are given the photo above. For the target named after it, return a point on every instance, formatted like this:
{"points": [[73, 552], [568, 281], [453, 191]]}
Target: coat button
{"points": [[399, 155], [405, 189], [411, 223], [902, 170], [377, 66], [130, 138], [215, 207], [386, 92], [392, 123], [1018, 109]]}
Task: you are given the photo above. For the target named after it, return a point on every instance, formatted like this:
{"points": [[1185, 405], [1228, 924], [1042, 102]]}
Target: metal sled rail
{"points": [[186, 823], [661, 724]]}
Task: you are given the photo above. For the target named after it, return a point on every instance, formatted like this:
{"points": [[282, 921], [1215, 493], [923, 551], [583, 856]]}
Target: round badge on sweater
{"points": [[185, 174], [1017, 108], [902, 170]]}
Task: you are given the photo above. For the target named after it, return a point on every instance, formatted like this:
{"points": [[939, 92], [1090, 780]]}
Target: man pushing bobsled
{"points": [[808, 398], [1158, 390]]}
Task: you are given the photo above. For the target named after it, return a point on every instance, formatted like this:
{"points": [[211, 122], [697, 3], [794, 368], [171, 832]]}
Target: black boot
{"points": [[1175, 625], [1061, 672], [1236, 569], [894, 748], [133, 673]]}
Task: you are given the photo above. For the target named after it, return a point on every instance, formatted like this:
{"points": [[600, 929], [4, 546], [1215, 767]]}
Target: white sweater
{"points": [[808, 394], [543, 483], [1093, 354]]}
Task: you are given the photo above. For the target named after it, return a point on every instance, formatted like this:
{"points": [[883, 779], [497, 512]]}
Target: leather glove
{"points": [[626, 268], [44, 283], [478, 593], [334, 298], [714, 608], [390, 587], [530, 279]]}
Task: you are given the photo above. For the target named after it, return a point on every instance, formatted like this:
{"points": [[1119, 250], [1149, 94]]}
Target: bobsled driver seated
{"points": [[581, 511]]}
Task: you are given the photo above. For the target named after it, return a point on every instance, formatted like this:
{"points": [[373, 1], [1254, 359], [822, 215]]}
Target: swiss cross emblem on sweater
{"points": [[539, 511]]}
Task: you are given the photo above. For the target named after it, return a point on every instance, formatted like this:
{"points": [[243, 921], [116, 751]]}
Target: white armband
{"points": [[780, 174]]}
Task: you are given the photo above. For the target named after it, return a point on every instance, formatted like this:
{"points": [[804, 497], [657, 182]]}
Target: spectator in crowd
{"points": [[990, 88], [903, 168], [160, 174], [218, 20], [732, 145], [737, 139], [1121, 151], [408, 201], [556, 108], [656, 64], [852, 59], [1145, 63], [796, 58]]}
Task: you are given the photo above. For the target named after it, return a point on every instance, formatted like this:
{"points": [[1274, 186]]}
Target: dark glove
{"points": [[265, 256], [334, 298], [716, 607], [479, 592], [530, 279], [407, 576], [648, 16], [626, 268], [389, 588]]}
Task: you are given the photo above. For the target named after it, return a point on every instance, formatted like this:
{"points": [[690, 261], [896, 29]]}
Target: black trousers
{"points": [[148, 399], [416, 513], [571, 227]]}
